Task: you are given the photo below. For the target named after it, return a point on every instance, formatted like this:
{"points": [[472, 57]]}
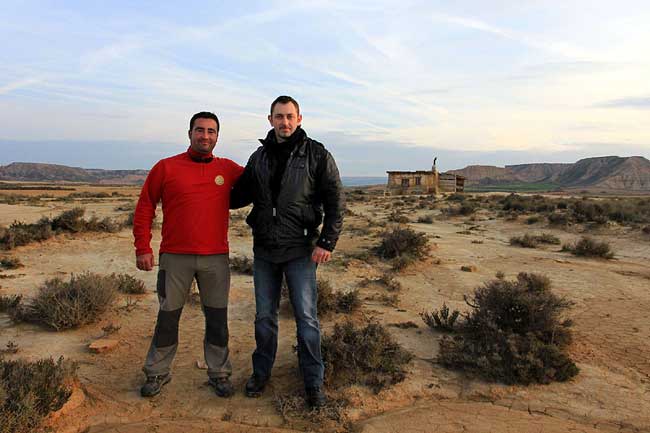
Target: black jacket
{"points": [[310, 189]]}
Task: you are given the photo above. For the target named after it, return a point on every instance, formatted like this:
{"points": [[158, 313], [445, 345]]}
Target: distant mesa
{"points": [[610, 173], [39, 172]]}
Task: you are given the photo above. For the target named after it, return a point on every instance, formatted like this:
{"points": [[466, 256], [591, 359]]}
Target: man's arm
{"points": [[242, 192], [330, 190], [145, 212]]}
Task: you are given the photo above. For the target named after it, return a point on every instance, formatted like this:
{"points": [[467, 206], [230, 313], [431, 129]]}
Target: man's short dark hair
{"points": [[204, 115], [285, 100]]}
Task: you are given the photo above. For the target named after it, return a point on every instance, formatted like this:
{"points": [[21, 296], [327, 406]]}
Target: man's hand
{"points": [[320, 255], [144, 262]]}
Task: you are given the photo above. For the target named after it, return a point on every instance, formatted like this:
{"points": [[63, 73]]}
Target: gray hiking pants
{"points": [[177, 271]]}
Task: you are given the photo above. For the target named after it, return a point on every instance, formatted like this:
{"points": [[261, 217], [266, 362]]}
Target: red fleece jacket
{"points": [[195, 202]]}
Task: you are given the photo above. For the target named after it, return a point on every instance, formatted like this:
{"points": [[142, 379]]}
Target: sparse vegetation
{"points": [[130, 285], [31, 390], [242, 265], [367, 356], [425, 219], [70, 221], [589, 247], [514, 333], [533, 241], [340, 302], [442, 320], [10, 263]]}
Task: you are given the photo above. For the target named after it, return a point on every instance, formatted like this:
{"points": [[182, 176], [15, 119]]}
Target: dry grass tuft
{"points": [[589, 247]]}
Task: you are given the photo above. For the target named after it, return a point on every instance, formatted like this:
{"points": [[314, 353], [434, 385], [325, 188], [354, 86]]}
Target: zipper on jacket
{"points": [[275, 212]]}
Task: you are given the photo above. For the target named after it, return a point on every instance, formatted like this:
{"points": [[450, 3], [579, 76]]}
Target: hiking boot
{"points": [[255, 385], [154, 384], [315, 397], [222, 386]]}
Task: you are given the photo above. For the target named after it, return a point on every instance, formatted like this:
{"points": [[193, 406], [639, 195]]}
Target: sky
{"points": [[385, 85]]}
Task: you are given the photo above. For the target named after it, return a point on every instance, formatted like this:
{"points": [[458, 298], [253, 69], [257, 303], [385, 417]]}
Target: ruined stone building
{"points": [[423, 182]]}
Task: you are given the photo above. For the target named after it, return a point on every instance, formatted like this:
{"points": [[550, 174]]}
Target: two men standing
{"points": [[292, 182]]}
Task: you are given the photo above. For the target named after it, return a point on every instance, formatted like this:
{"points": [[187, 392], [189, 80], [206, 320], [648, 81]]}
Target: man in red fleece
{"points": [[194, 188]]}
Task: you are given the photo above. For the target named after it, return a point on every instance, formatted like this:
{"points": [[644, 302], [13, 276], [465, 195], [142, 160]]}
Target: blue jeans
{"points": [[300, 275]]}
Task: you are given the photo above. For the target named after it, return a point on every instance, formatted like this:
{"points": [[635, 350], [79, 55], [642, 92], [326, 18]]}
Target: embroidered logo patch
{"points": [[219, 180]]}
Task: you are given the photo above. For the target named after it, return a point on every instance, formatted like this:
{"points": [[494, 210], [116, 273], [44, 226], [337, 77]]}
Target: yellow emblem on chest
{"points": [[219, 180]]}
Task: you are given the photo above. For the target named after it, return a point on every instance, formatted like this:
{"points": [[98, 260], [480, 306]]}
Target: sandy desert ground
{"points": [[611, 313]]}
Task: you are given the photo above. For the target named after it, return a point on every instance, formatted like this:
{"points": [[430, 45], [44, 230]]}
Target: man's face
{"points": [[284, 120], [203, 136]]}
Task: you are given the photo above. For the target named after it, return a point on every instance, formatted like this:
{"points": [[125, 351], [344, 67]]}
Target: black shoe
{"points": [[222, 386], [315, 397], [154, 384], [255, 385]]}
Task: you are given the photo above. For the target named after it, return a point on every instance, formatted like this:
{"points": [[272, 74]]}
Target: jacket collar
{"points": [[297, 140]]}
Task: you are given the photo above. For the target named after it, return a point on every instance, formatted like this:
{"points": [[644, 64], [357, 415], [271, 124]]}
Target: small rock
{"points": [[201, 365], [469, 268], [103, 345]]}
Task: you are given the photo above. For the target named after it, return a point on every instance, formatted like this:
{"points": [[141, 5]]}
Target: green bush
{"points": [[31, 390], [514, 333], [589, 247], [63, 305], [367, 356]]}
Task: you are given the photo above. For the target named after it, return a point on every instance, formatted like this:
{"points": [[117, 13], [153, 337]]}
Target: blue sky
{"points": [[383, 84]]}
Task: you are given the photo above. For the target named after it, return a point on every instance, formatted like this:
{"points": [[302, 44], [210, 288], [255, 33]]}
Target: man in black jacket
{"points": [[293, 182]]}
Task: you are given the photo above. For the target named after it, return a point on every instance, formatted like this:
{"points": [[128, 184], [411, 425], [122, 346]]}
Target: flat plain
{"points": [[610, 312]]}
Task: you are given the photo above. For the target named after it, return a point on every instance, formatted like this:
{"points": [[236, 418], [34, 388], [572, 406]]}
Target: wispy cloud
{"points": [[19, 84], [642, 103]]}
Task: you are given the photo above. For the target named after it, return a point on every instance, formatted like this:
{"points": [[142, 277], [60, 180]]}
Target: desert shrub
{"points": [[398, 217], [532, 241], [106, 224], [9, 303], [19, 234], [31, 390], [402, 262], [442, 319], [532, 220], [402, 242], [10, 263], [62, 305], [242, 265], [426, 219], [526, 241], [340, 302], [558, 219], [514, 333], [392, 285], [70, 221], [130, 285], [456, 197], [347, 302], [646, 230], [589, 247], [367, 356]]}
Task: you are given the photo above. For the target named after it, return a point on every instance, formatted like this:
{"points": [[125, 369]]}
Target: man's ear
{"points": [[269, 117], [189, 134], [299, 119]]}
